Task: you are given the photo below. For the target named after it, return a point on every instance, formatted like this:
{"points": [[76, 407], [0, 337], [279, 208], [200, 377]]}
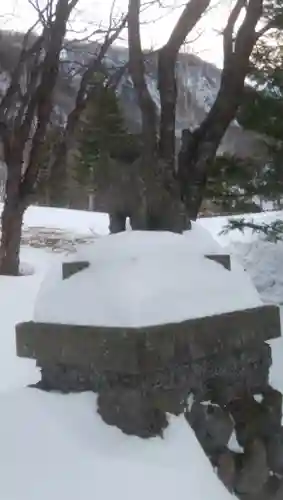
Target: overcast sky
{"points": [[19, 15]]}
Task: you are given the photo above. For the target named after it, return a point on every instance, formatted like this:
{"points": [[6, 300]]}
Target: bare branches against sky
{"points": [[157, 16]]}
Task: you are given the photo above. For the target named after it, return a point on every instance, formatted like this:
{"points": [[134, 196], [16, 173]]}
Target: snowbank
{"points": [[55, 446], [63, 218], [201, 241], [263, 260], [144, 278], [17, 299]]}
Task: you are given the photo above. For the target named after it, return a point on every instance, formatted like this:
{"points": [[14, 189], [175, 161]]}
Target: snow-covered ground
{"points": [[261, 258], [55, 446]]}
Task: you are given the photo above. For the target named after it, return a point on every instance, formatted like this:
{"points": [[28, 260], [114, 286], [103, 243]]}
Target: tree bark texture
{"points": [[20, 183], [12, 214], [199, 148], [164, 208]]}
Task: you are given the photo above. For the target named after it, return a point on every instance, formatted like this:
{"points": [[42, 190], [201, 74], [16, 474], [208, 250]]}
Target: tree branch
{"points": [[273, 231], [93, 66], [44, 93], [186, 22], [235, 69], [228, 33], [166, 74], [268, 26], [84, 94], [137, 72], [13, 89], [114, 80], [195, 159], [246, 36]]}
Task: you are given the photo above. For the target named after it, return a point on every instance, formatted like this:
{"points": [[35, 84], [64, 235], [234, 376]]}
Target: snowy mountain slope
{"points": [[198, 84]]}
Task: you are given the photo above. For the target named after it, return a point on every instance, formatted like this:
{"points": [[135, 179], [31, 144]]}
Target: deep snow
{"points": [[54, 446], [140, 278]]}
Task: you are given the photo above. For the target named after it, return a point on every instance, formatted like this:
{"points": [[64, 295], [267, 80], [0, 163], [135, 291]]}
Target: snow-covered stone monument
{"points": [[156, 323]]}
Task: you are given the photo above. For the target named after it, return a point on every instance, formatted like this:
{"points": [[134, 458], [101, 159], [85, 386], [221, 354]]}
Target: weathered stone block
{"points": [[145, 349], [226, 469], [172, 384], [106, 349], [132, 411], [142, 373], [230, 375], [271, 490], [222, 259], [253, 419], [254, 472], [69, 378], [212, 425], [170, 400], [272, 404], [275, 452], [71, 268]]}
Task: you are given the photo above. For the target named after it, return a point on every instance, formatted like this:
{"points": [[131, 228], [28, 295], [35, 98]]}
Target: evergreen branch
{"points": [[273, 231]]}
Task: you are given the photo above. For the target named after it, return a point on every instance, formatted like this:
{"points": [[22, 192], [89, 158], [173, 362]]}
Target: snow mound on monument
{"points": [[141, 278]]}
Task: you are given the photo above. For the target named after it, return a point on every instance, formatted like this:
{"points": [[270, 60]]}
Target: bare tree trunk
{"points": [[57, 182], [38, 106], [91, 202], [167, 85], [12, 218], [59, 167], [199, 148], [163, 207]]}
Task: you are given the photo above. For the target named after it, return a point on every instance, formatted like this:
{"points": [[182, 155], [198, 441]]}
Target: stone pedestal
{"points": [[217, 358]]}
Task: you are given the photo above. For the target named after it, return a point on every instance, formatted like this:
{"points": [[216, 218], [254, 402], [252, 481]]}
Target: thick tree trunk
{"points": [[91, 202], [163, 207], [58, 178], [167, 86], [12, 215], [199, 148], [12, 218], [36, 108], [197, 153], [194, 185]]}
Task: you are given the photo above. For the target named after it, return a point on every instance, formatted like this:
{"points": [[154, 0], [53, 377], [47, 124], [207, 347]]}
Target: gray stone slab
{"points": [[71, 268], [222, 259], [132, 350]]}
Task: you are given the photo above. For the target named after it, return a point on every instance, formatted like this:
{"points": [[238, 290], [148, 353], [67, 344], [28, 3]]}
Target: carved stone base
{"points": [[132, 411], [216, 358]]}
